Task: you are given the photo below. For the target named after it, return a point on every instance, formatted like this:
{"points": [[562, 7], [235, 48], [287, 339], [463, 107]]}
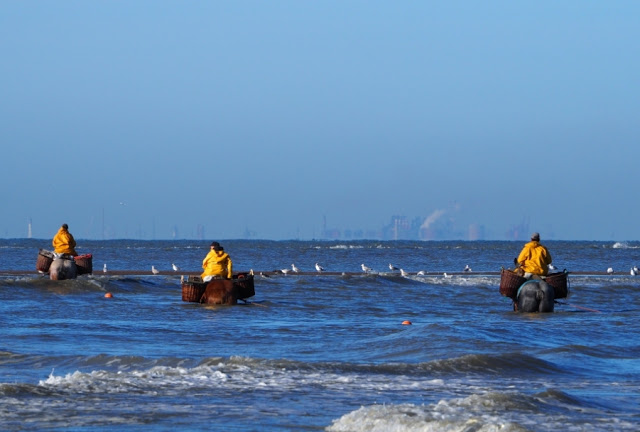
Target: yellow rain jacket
{"points": [[217, 263], [63, 242], [535, 258]]}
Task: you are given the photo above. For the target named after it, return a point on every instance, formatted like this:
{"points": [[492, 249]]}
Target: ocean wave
{"points": [[114, 374], [432, 278], [87, 283], [346, 246], [228, 376], [623, 245], [486, 411], [409, 418], [459, 280], [14, 390], [69, 286]]}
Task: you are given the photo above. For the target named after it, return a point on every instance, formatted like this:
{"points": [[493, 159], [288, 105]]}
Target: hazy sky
{"points": [[271, 116]]}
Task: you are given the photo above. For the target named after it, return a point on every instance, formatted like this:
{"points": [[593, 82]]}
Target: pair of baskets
{"points": [[193, 287], [510, 282], [84, 263]]}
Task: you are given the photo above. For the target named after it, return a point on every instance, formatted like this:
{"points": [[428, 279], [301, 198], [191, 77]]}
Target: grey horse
{"points": [[63, 268], [535, 296]]}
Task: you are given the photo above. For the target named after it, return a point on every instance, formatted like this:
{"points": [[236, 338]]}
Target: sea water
{"points": [[319, 352]]}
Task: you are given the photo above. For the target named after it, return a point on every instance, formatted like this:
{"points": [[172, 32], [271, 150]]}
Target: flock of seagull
{"points": [[365, 269], [154, 270], [368, 270], [633, 272]]}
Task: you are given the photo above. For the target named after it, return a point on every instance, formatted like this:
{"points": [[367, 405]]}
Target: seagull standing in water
{"points": [[392, 267], [403, 273], [421, 273], [366, 269], [610, 270], [154, 270], [467, 268], [633, 271], [294, 268], [104, 268], [319, 268], [175, 267], [285, 271]]}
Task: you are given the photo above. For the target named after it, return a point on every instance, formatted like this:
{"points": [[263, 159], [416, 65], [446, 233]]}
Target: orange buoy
{"points": [[407, 322], [108, 295]]}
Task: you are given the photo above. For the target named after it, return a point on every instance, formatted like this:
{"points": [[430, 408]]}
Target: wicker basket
{"points": [[84, 264], [243, 285], [558, 281], [509, 283], [45, 258], [192, 289]]}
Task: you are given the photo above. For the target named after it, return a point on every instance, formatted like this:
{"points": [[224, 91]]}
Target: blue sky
{"points": [[273, 116]]}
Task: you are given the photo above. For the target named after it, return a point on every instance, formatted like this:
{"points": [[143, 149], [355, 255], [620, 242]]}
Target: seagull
{"points": [[251, 272], [610, 270], [264, 275], [154, 270], [366, 269], [104, 268], [294, 268], [633, 271], [421, 273], [285, 271], [467, 268], [403, 273], [392, 267], [175, 267], [447, 276], [319, 268], [551, 267]]}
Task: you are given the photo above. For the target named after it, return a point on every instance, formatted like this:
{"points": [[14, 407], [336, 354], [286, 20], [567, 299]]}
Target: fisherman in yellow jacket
{"points": [[63, 242], [217, 264], [534, 259]]}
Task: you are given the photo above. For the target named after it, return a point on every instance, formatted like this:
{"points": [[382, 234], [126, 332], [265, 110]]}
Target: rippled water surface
{"points": [[318, 351]]}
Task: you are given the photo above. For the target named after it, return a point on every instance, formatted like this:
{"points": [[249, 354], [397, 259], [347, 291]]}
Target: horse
{"points": [[535, 296], [220, 292], [63, 267]]}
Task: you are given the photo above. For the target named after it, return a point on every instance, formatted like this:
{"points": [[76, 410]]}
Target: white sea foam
{"points": [[481, 412], [623, 245], [443, 416], [232, 376], [457, 280]]}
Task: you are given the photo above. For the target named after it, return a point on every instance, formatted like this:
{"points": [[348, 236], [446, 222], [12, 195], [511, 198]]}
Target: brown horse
{"points": [[220, 292]]}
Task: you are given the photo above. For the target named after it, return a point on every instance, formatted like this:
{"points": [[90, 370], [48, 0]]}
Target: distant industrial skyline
{"points": [[399, 227]]}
